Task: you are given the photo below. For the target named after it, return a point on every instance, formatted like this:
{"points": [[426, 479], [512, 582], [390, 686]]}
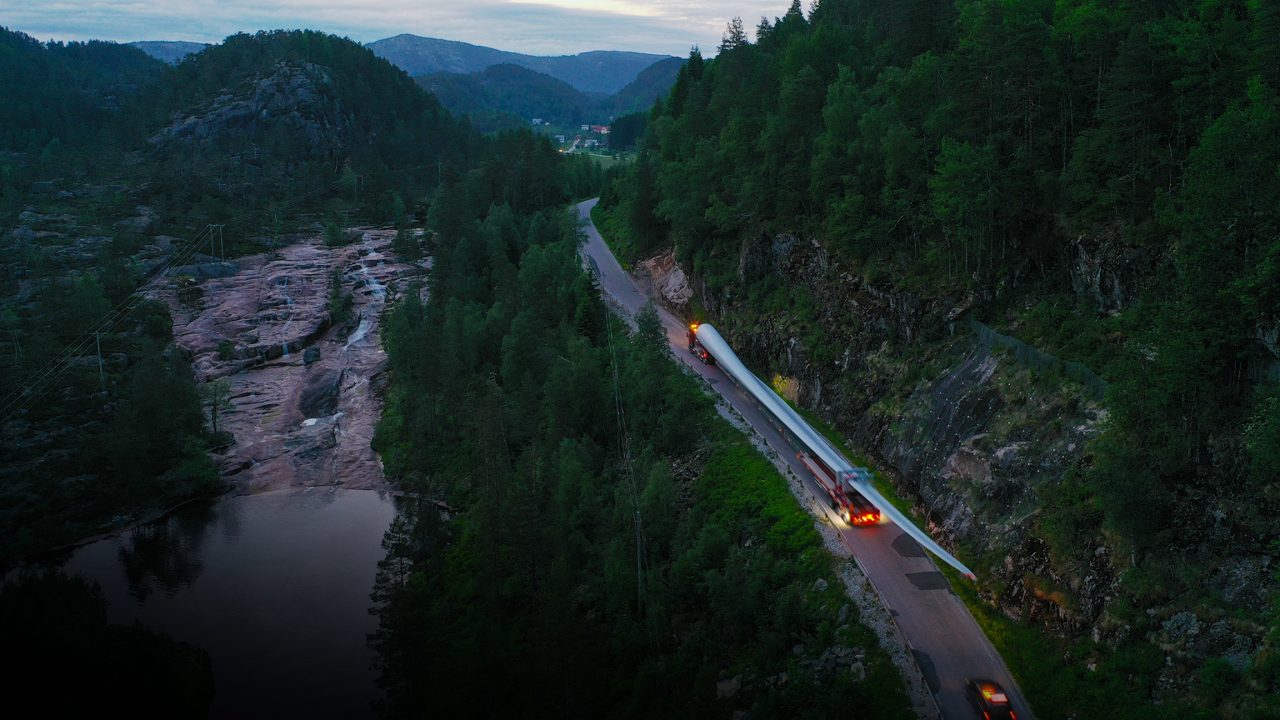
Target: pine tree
{"points": [[734, 36]]}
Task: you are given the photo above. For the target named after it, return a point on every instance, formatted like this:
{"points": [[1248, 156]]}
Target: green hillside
{"points": [[600, 71], [170, 51], [65, 91], [651, 84], [515, 93]]}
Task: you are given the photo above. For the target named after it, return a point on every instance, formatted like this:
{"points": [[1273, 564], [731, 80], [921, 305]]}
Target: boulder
{"points": [[319, 397], [728, 688], [668, 278]]}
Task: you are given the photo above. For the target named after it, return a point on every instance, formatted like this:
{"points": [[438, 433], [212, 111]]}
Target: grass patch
{"points": [[616, 234], [608, 161], [741, 491]]}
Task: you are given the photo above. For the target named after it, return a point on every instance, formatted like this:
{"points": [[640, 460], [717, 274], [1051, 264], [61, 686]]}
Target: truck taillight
{"points": [[866, 518]]}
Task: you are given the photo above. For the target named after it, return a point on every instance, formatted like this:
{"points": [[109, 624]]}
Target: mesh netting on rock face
{"points": [[1036, 359]]}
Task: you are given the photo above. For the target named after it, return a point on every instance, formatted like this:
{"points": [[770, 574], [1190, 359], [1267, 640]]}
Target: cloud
{"points": [[532, 26]]}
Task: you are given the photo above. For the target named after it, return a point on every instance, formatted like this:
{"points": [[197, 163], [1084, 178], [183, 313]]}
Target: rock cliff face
{"points": [[668, 279], [295, 99], [1108, 270]]}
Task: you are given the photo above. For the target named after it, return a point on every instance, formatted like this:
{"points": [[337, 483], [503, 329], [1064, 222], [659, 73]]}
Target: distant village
{"points": [[587, 137]]}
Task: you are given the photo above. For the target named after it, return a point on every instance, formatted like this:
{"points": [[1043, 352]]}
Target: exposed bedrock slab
{"points": [[304, 389]]}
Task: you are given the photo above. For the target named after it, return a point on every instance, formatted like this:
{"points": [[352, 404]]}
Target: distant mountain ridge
{"points": [[170, 51], [652, 83], [600, 71], [517, 91], [514, 90]]}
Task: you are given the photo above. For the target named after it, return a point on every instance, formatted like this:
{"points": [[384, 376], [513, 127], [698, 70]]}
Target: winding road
{"points": [[943, 637]]}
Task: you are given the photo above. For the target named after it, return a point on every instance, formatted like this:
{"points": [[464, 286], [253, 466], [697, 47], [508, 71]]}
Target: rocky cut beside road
{"points": [[304, 389]]}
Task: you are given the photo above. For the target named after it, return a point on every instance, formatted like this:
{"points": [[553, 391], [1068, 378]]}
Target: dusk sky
{"points": [[541, 27]]}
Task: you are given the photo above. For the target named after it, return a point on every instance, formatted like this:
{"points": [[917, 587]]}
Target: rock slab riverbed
{"points": [[304, 390]]}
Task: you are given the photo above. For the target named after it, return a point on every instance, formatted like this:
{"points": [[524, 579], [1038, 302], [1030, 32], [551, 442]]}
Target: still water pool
{"points": [[274, 586]]}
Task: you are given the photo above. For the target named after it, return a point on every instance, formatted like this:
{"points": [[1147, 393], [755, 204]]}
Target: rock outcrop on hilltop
{"points": [[295, 99]]}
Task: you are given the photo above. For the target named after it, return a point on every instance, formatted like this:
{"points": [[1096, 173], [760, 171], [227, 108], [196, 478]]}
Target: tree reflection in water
{"points": [[166, 555]]}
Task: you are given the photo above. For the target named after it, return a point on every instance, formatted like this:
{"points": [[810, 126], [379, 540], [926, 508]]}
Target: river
{"points": [[275, 586]]}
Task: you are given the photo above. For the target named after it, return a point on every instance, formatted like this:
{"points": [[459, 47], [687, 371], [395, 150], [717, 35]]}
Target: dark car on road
{"points": [[990, 700]]}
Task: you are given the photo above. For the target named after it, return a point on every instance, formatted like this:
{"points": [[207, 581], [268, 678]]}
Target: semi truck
{"points": [[842, 495], [852, 479]]}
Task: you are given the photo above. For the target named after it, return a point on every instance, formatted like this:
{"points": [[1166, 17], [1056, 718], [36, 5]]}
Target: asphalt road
{"points": [[946, 641]]}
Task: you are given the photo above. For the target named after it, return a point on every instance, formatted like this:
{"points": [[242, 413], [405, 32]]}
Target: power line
{"points": [[55, 367], [104, 324], [624, 441]]}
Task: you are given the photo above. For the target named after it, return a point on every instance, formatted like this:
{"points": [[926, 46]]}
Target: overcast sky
{"points": [[540, 27]]}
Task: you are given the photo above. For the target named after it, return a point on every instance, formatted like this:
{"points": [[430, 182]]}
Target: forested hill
{"points": [[111, 164], [525, 94], [64, 90], [652, 83], [859, 192], [263, 106], [599, 71], [170, 51], [516, 91]]}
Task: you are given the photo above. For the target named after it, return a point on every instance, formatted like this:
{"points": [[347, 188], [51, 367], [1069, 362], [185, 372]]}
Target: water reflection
{"points": [[276, 587], [166, 554]]}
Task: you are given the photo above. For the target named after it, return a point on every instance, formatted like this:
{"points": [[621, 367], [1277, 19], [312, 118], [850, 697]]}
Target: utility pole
{"points": [[102, 378], [217, 243]]}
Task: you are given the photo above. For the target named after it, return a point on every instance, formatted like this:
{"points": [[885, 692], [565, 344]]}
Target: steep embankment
{"points": [[982, 435]]}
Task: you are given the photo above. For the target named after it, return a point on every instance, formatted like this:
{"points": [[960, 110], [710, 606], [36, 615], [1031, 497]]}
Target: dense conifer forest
{"points": [[585, 536]]}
